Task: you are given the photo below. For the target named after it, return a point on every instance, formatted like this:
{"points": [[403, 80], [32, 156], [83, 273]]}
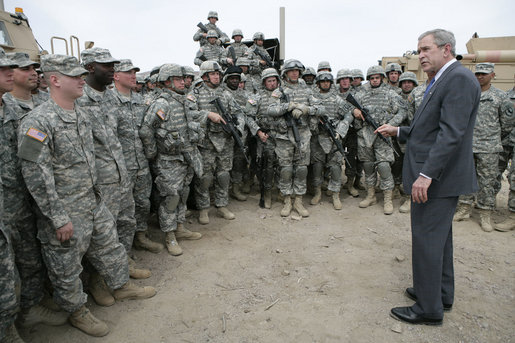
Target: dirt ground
{"points": [[332, 277]]}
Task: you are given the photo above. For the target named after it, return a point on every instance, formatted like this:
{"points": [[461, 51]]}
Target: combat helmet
{"points": [[292, 64], [258, 35], [342, 73], [324, 65], [212, 34], [212, 14], [209, 66], [393, 67], [357, 73], [169, 70], [408, 76], [309, 71], [269, 72], [188, 71], [236, 32], [324, 76], [373, 70]]}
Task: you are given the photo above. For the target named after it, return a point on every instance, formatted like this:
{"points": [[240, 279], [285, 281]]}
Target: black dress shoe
{"points": [[410, 293], [406, 314]]}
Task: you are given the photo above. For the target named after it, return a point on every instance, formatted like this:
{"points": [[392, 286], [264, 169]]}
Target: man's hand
{"points": [[65, 232], [262, 62], [357, 113], [387, 130], [216, 118], [419, 189], [304, 108], [262, 136], [230, 61]]}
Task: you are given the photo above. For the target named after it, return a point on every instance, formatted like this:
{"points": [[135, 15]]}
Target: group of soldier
{"points": [[91, 152]]}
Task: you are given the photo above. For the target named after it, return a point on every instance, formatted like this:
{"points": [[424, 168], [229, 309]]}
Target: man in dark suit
{"points": [[438, 167]]}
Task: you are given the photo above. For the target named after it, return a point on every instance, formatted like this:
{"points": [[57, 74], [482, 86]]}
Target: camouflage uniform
{"points": [[169, 140], [507, 144], [256, 68], [199, 37], [112, 179], [20, 211], [495, 115], [58, 164], [216, 147], [253, 83], [240, 49], [40, 96], [128, 113], [210, 52]]}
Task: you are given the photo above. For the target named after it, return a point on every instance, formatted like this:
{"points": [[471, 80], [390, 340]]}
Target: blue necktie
{"points": [[429, 87]]}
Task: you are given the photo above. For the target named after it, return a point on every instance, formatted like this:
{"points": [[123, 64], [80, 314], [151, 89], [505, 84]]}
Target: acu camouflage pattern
{"points": [[168, 136], [211, 52], [487, 172], [199, 37], [217, 146], [59, 170], [127, 114]]}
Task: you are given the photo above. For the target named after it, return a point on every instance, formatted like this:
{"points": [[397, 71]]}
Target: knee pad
{"points": [[223, 179], [336, 172], [301, 172], [286, 173], [369, 168], [205, 182], [384, 169], [171, 202]]}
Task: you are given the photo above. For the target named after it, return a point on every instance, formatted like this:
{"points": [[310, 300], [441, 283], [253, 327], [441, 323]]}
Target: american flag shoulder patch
{"points": [[190, 97], [252, 102], [161, 114], [36, 134]]}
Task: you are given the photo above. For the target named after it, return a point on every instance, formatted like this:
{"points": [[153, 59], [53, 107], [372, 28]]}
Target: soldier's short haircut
{"points": [[441, 38]]}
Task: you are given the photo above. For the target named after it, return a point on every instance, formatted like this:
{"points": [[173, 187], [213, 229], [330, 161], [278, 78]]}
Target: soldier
{"points": [[201, 35], [357, 79], [494, 116], [240, 49], [257, 54], [140, 83], [126, 111], [384, 106], [293, 152], [189, 76], [343, 82], [393, 72], [170, 142], [324, 153], [211, 51], [20, 210], [8, 278], [41, 91], [407, 82], [217, 146], [324, 66], [309, 76], [112, 178], [58, 165], [251, 84]]}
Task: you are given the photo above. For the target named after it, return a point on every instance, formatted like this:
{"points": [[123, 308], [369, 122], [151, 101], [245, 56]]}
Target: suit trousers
{"points": [[432, 255]]}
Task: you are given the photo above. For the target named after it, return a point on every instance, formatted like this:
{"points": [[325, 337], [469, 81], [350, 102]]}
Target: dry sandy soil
{"points": [[332, 277]]}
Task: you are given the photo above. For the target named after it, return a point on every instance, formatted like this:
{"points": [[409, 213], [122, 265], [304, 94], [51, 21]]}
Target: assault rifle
{"points": [[328, 127], [369, 120], [265, 57], [262, 165], [202, 27], [233, 54], [229, 126], [290, 121]]}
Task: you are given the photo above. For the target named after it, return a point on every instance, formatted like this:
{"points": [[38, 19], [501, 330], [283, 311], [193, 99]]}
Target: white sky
{"points": [[348, 34]]}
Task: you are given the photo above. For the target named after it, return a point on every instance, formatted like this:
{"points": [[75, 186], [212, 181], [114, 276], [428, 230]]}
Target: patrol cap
{"points": [[66, 65], [22, 59], [125, 65], [212, 14], [99, 55], [6, 61], [484, 68]]}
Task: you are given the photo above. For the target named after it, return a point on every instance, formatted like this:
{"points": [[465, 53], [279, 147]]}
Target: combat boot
{"points": [[12, 336], [99, 290], [132, 292], [183, 233], [370, 199], [463, 212], [350, 188], [203, 216], [507, 225], [337, 204], [172, 245], [237, 194], [142, 242], [85, 321], [137, 273], [318, 195], [247, 186], [396, 193], [39, 314], [485, 220], [357, 183], [299, 207], [406, 205], [225, 213], [268, 198], [387, 202], [285, 212]]}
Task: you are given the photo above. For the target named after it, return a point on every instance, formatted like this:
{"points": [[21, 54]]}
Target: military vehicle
{"points": [[498, 50]]}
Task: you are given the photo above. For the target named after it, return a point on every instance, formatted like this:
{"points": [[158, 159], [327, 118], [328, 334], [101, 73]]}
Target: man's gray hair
{"points": [[441, 38]]}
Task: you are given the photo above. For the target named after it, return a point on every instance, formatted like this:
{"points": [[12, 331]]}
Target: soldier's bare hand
{"points": [[65, 232], [262, 62], [216, 118], [357, 114], [387, 130], [230, 61], [204, 35], [263, 136], [419, 189]]}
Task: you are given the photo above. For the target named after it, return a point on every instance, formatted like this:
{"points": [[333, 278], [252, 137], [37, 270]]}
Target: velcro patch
{"points": [[276, 93], [190, 97], [161, 114], [36, 134]]}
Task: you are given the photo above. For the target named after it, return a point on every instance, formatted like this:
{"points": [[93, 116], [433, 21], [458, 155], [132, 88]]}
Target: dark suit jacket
{"points": [[440, 136]]}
